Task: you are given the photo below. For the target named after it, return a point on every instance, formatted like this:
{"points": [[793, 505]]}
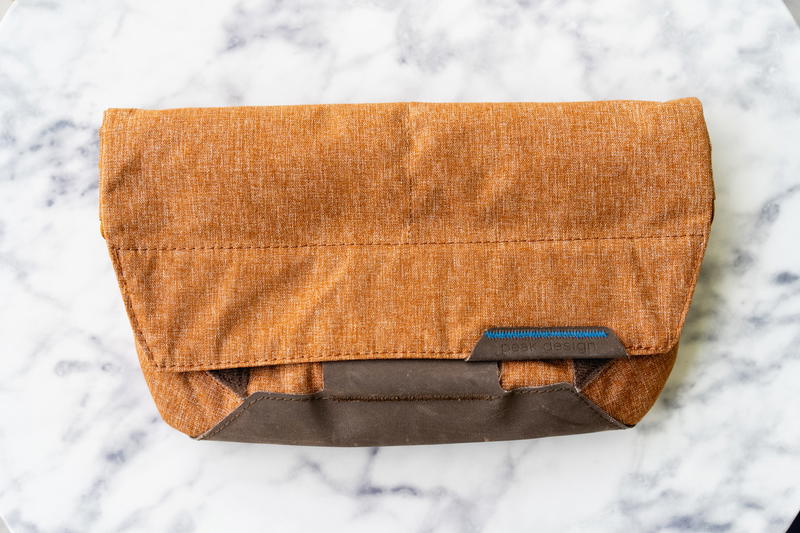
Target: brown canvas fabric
{"points": [[299, 378], [276, 238], [517, 374]]}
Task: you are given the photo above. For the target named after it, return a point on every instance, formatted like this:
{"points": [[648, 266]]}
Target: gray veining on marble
{"points": [[82, 447]]}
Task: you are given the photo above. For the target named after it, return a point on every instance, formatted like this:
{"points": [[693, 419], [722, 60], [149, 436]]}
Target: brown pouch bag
{"points": [[406, 273]]}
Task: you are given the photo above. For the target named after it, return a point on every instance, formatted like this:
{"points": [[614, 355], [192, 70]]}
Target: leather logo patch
{"points": [[521, 344]]}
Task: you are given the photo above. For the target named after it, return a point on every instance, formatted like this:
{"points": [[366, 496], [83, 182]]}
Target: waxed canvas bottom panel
{"points": [[522, 414], [193, 402], [402, 401]]}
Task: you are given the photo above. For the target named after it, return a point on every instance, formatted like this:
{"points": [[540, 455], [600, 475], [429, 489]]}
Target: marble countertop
{"points": [[82, 447]]}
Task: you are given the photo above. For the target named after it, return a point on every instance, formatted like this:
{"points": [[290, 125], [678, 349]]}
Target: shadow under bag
{"points": [[407, 273]]}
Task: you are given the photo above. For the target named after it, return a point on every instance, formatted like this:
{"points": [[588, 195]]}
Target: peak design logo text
{"points": [[548, 346]]}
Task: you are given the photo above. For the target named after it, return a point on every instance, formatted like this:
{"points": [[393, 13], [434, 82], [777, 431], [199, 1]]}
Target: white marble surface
{"points": [[81, 445]]}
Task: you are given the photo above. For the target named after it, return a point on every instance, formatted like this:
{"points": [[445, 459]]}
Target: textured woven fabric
{"points": [[280, 237], [629, 387]]}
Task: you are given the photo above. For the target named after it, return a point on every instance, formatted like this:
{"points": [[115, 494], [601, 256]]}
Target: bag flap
{"points": [[249, 236]]}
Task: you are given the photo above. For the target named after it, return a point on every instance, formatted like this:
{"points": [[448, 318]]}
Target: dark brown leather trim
{"points": [[524, 344], [382, 403]]}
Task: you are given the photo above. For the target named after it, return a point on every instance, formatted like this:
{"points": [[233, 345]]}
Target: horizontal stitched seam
{"points": [[357, 244], [432, 397], [545, 334], [289, 359], [324, 357], [413, 398], [252, 402]]}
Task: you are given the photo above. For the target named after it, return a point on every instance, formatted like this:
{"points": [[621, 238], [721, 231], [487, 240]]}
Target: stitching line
{"points": [[421, 243], [420, 398], [279, 359], [304, 358], [544, 334], [245, 407], [321, 358]]}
